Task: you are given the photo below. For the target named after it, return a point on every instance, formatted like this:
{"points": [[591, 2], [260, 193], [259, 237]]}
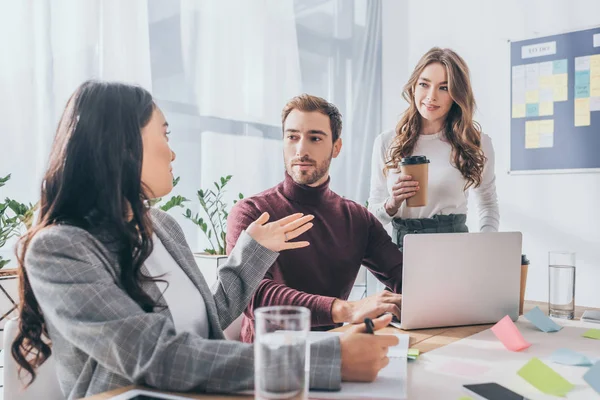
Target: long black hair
{"points": [[93, 181]]}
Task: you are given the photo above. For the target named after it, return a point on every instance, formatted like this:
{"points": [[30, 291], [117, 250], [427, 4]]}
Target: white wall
{"points": [[554, 212]]}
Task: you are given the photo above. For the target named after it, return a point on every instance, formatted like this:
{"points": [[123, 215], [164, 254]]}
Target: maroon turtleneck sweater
{"points": [[344, 236]]}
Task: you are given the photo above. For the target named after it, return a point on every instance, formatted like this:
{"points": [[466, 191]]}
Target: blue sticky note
{"points": [[532, 110], [570, 357], [582, 77], [582, 91], [541, 320], [559, 66], [592, 377]]}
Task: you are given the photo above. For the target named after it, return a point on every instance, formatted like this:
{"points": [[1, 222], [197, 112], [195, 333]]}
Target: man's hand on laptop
{"points": [[363, 356], [370, 307]]}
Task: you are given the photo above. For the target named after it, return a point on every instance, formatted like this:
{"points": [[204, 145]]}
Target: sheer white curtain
{"points": [[241, 57], [48, 48]]}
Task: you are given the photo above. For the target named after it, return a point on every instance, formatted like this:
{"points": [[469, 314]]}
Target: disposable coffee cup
{"points": [[418, 168], [524, 268]]}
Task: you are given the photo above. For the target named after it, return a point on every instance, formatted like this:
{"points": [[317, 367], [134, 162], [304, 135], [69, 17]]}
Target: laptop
{"points": [[453, 279]]}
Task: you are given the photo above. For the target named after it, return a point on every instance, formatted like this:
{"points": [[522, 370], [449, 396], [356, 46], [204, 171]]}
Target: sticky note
{"points": [[544, 378], [594, 103], [592, 377], [582, 112], [518, 94], [508, 333], [546, 68], [463, 368], [595, 65], [592, 334], [561, 93], [518, 111], [532, 96], [582, 91], [560, 67], [546, 81], [582, 84], [532, 110], [413, 353], [560, 80], [582, 63], [595, 86], [546, 108], [541, 320], [465, 398], [582, 77], [546, 140], [546, 126], [546, 94], [569, 357]]}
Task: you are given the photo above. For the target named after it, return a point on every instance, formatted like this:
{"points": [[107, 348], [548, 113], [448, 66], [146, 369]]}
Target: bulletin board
{"points": [[555, 103]]}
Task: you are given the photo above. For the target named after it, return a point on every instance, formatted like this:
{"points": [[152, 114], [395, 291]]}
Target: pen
{"points": [[370, 325]]}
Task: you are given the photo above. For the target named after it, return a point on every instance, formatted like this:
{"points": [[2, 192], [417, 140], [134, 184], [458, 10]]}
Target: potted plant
{"points": [[14, 216], [213, 224]]}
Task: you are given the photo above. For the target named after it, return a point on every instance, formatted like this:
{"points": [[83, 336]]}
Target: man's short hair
{"points": [[307, 103]]}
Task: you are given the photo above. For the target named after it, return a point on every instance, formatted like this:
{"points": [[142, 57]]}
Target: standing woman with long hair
{"points": [[110, 287], [438, 124]]}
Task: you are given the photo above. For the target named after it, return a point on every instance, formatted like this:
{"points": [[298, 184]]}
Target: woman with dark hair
{"points": [[439, 125], [110, 287]]}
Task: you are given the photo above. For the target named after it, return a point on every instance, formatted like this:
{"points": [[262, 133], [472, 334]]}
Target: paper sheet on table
{"points": [[391, 383], [508, 333]]}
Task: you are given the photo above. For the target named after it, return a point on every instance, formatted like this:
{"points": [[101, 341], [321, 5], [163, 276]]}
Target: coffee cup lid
{"points": [[412, 160], [524, 260]]}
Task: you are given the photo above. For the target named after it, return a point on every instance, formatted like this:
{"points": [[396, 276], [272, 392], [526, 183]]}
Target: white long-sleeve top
{"points": [[446, 194]]}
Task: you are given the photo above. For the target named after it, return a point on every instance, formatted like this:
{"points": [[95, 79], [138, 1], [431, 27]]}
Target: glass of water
{"points": [[281, 352], [561, 280]]}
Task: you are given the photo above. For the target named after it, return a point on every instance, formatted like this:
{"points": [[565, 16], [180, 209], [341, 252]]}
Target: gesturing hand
{"points": [[276, 235]]}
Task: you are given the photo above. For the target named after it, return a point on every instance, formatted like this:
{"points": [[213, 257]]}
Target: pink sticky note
{"points": [[463, 368], [509, 335]]}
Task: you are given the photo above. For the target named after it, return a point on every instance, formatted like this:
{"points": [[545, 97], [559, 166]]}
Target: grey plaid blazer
{"points": [[101, 338]]}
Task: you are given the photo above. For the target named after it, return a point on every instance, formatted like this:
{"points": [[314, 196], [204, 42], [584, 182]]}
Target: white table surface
{"points": [[428, 380]]}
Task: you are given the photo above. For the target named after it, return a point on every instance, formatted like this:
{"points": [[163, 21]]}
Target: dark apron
{"points": [[437, 224]]}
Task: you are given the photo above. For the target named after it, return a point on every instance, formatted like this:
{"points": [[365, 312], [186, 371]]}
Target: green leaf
{"points": [[176, 181], [175, 201], [210, 251], [3, 262], [217, 185], [241, 196]]}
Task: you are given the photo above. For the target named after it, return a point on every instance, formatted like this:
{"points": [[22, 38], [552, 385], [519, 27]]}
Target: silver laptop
{"points": [[452, 279]]}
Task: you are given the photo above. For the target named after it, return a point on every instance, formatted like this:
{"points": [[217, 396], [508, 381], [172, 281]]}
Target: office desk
{"points": [[425, 340]]}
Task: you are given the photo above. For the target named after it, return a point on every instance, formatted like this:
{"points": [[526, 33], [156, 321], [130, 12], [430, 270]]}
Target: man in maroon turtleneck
{"points": [[344, 236]]}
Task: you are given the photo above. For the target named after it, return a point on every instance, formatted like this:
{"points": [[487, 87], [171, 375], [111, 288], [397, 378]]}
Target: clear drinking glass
{"points": [[281, 353], [561, 284]]}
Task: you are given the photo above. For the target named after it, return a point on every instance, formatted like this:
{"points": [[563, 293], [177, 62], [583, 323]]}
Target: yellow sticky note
{"points": [[595, 86], [595, 65], [518, 111], [582, 112], [532, 134], [561, 93], [546, 108], [532, 96], [546, 81], [560, 80], [546, 126]]}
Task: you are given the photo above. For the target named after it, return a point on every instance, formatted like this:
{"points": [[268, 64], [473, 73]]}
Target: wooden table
{"points": [[425, 340]]}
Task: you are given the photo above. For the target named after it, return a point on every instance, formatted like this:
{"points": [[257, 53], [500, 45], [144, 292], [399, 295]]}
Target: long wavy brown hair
{"points": [[93, 181], [463, 133]]}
